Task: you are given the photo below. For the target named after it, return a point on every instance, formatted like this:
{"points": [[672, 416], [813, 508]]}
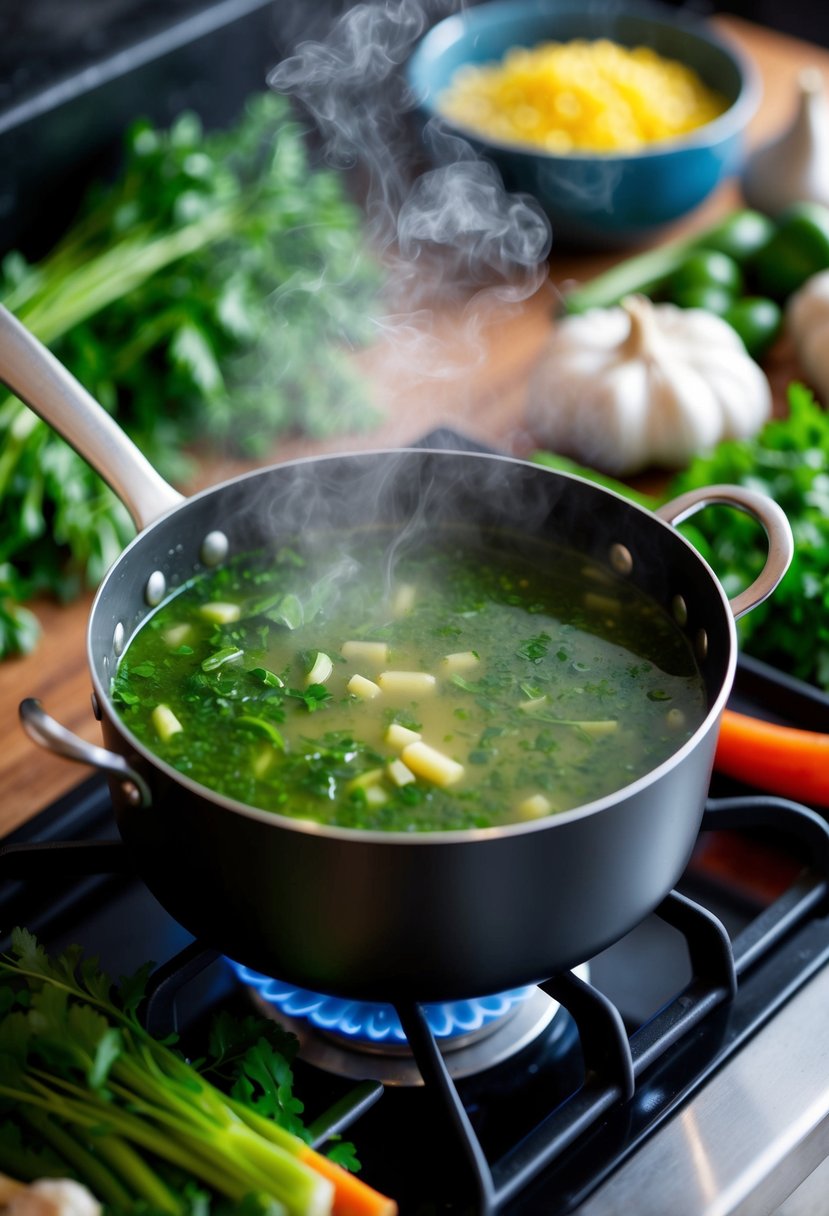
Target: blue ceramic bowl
{"points": [[597, 200]]}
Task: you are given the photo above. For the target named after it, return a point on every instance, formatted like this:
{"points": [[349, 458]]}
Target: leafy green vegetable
{"points": [[535, 648], [789, 461], [86, 1092], [19, 628], [253, 1059], [312, 697], [211, 296]]}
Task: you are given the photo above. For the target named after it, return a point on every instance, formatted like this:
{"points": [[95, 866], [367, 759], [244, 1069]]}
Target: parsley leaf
{"points": [[535, 649]]}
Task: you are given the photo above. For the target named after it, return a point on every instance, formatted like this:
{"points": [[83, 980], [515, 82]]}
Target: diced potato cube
{"points": [[403, 599], [365, 689], [262, 761], [427, 762], [366, 652], [534, 807], [376, 795], [177, 635], [220, 613], [597, 573], [165, 722], [365, 780], [407, 683], [399, 773], [463, 660], [399, 736], [321, 670], [602, 603]]}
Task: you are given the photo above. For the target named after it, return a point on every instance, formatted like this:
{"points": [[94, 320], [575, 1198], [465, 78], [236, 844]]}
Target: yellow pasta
{"points": [[580, 96]]}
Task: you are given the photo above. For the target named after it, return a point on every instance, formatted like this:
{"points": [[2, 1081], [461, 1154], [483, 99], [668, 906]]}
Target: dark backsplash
{"points": [[75, 76]]}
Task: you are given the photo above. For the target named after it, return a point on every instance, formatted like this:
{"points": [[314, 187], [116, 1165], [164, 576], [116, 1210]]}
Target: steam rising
{"points": [[447, 229]]}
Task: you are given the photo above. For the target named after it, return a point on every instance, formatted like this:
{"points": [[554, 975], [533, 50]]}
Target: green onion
{"points": [[260, 727], [228, 654]]}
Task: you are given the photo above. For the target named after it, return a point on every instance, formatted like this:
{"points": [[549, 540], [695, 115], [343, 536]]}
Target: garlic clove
{"points": [[46, 1197], [793, 166], [807, 321], [69, 1198]]}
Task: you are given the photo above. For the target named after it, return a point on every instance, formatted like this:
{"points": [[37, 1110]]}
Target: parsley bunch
{"points": [[210, 297], [86, 1092]]}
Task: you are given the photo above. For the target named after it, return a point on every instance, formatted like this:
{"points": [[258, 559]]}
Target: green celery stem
{"points": [[88, 1168], [143, 1181], [214, 1132]]}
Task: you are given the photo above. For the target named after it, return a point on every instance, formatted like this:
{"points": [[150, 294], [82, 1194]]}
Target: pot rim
{"points": [[428, 838]]}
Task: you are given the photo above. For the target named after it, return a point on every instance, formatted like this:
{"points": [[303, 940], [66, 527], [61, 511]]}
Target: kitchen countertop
{"points": [[483, 395]]}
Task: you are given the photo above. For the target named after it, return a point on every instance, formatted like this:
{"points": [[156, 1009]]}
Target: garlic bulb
{"points": [[807, 321], [46, 1197], [643, 384], [793, 167]]}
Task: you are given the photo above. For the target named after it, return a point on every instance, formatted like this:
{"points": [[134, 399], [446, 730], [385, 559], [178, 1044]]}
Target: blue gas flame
{"points": [[377, 1023]]}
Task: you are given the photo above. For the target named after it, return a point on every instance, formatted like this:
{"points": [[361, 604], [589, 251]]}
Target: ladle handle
{"points": [[762, 508], [34, 374]]}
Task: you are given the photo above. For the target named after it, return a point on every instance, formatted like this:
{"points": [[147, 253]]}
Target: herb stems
{"points": [[123, 1112]]}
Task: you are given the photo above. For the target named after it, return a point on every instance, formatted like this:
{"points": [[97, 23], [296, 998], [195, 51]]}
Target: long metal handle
{"points": [[47, 732], [38, 378], [762, 508]]}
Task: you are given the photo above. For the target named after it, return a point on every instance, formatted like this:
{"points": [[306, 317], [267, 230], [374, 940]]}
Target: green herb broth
{"points": [[548, 681]]}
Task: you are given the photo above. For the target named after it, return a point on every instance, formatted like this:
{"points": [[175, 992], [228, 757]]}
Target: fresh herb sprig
{"points": [[86, 1092], [211, 296]]}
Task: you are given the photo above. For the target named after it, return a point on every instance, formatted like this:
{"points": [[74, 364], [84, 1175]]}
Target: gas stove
{"points": [[684, 1069]]}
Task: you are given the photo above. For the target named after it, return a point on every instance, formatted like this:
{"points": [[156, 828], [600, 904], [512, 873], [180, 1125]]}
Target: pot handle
{"points": [[34, 374], [48, 733], [762, 508]]}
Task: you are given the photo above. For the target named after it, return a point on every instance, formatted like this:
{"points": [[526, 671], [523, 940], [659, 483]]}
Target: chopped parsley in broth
{"points": [[375, 685]]}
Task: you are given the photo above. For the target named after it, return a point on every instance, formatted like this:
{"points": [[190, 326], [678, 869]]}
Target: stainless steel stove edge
{"points": [[747, 1141]]}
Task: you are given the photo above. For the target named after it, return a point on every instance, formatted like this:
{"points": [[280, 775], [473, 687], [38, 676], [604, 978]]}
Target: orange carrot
{"points": [[781, 759], [352, 1197]]}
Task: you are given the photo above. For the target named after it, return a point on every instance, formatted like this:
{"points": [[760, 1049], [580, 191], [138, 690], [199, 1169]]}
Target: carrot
{"points": [[352, 1197], [781, 759]]}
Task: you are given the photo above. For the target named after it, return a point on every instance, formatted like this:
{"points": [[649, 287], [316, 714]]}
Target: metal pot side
{"points": [[443, 915]]}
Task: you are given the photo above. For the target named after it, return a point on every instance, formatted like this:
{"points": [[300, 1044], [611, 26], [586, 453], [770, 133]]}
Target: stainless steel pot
{"points": [[391, 916]]}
